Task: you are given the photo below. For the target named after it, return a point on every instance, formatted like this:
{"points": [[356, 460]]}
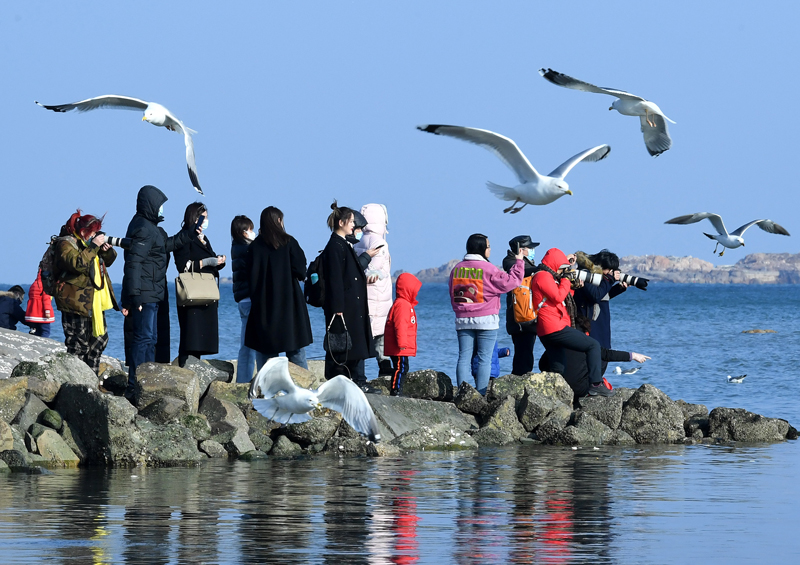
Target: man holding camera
{"points": [[551, 288], [522, 334]]}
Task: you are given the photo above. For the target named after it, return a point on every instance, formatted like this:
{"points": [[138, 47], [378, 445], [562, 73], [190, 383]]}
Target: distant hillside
{"points": [[756, 268]]}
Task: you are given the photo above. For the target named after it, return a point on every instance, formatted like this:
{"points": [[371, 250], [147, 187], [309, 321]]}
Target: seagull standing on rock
{"points": [[286, 403], [155, 114], [534, 188], [654, 128], [732, 240]]}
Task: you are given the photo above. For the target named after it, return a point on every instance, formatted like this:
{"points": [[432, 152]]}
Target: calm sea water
{"points": [[667, 504]]}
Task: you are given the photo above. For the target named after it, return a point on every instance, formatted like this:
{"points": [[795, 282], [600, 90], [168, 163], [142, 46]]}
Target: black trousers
{"points": [[342, 366], [523, 353], [570, 338]]}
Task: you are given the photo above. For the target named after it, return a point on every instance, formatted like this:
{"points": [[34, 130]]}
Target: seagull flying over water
{"points": [[618, 370], [534, 188], [732, 240], [654, 128], [286, 403], [154, 113], [736, 380]]}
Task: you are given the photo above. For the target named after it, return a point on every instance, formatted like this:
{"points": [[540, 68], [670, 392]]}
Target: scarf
{"points": [[101, 301]]}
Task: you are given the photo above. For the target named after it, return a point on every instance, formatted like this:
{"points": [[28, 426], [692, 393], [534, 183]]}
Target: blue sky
{"points": [[300, 103]]}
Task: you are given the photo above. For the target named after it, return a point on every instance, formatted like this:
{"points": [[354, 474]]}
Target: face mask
{"points": [[358, 235], [205, 224], [250, 235], [161, 211], [531, 254]]}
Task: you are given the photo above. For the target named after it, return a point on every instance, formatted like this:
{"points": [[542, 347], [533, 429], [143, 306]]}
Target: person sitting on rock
{"points": [[400, 332], [11, 313]]}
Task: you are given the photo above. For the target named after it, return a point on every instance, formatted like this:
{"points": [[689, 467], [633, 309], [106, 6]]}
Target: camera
{"points": [[638, 282], [586, 277]]}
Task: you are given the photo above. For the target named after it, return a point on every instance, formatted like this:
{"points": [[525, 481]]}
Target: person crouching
{"points": [[400, 333]]}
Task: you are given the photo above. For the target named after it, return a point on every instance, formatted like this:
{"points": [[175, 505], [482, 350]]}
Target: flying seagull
{"points": [[154, 113], [732, 240], [736, 380], [286, 403], [654, 128], [533, 188], [618, 370]]}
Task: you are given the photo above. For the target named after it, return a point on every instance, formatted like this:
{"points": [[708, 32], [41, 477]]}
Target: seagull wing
{"points": [[272, 378], [715, 219], [594, 154], [270, 408], [172, 122], [767, 225], [504, 148], [343, 395], [560, 79], [656, 139], [107, 101]]}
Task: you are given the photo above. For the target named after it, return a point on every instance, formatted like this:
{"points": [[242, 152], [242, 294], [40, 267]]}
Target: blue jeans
{"points": [[247, 357], [466, 345], [144, 338], [297, 357]]}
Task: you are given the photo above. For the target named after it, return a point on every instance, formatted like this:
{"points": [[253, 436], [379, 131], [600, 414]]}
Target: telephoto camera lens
{"points": [[122, 242], [588, 277], [638, 282]]}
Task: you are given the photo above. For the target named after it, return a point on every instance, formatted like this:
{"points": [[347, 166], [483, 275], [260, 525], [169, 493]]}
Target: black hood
{"points": [[149, 200]]}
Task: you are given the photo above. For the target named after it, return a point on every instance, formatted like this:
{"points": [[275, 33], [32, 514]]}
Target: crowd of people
{"points": [[352, 283]]}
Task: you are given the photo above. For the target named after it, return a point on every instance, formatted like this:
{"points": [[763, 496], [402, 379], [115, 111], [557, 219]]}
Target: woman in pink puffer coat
{"points": [[379, 276]]}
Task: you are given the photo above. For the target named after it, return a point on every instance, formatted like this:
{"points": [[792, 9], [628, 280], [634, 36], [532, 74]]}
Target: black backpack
{"points": [[314, 285], [50, 273]]}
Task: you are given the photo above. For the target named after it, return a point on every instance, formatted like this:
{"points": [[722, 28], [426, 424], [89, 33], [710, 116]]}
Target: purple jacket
{"points": [[476, 286]]}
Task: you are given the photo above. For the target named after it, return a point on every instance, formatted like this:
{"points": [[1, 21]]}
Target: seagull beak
{"points": [[319, 406], [568, 192], [611, 108], [144, 118]]}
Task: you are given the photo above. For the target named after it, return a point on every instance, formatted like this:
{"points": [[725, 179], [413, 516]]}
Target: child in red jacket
{"points": [[400, 335], [39, 314]]}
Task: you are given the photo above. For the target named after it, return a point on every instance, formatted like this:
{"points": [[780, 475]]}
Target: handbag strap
{"points": [[333, 318]]}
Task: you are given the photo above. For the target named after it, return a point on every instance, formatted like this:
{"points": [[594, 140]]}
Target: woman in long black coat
{"points": [[199, 324], [278, 320], [346, 294]]}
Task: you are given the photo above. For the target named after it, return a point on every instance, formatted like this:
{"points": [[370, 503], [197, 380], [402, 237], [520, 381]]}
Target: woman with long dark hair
{"points": [[345, 297], [199, 324], [84, 291], [278, 321]]}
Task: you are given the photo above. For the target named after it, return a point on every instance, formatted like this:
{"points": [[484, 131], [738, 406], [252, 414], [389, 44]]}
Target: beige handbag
{"points": [[195, 289]]}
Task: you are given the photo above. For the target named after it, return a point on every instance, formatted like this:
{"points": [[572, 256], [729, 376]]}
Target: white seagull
{"points": [[286, 403], [154, 113], [534, 188], [654, 128], [732, 240], [618, 370], [736, 380]]}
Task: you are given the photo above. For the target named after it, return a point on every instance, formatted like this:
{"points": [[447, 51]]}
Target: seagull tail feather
{"points": [[709, 236], [502, 192]]}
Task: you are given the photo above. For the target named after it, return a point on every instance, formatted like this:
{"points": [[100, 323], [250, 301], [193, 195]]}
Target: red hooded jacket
{"points": [[400, 334], [553, 315], [40, 306]]}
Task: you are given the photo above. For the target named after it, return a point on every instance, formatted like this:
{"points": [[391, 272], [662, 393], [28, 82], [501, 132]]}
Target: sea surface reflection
{"points": [[529, 504]]}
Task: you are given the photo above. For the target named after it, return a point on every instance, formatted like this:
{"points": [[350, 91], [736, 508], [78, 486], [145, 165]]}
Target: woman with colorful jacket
{"points": [[550, 287], [84, 291], [400, 332], [39, 313], [475, 289]]}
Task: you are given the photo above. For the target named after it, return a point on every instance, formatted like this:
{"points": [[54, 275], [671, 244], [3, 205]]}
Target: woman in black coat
{"points": [[278, 320], [199, 324], [345, 294]]}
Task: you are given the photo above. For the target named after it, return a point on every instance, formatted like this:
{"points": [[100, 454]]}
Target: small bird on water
{"points": [[286, 403], [736, 380], [618, 370]]}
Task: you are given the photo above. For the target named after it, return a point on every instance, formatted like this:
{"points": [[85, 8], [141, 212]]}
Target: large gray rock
{"points": [[606, 409], [260, 429], [4, 467], [30, 412], [235, 393], [104, 425], [17, 346], [534, 408], [114, 381], [239, 443], [198, 425], [583, 429], [439, 437], [494, 436], [284, 447], [167, 444], [55, 450], [428, 385], [551, 385], [556, 420], [398, 415], [213, 449], [165, 409], [695, 419], [737, 424], [6, 436], [154, 381], [15, 459], [503, 416], [206, 373], [318, 429], [224, 417], [226, 367], [71, 437], [317, 369], [56, 369], [650, 416], [51, 419], [13, 393], [469, 400]]}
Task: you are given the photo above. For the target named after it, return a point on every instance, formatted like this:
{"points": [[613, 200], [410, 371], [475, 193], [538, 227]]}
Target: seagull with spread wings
{"points": [[286, 403], [534, 188], [154, 113], [732, 240], [654, 126]]}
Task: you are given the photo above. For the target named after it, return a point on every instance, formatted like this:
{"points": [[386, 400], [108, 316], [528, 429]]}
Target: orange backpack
{"points": [[522, 299]]}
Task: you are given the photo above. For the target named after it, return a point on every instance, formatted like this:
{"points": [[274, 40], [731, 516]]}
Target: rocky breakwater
{"points": [[54, 411]]}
